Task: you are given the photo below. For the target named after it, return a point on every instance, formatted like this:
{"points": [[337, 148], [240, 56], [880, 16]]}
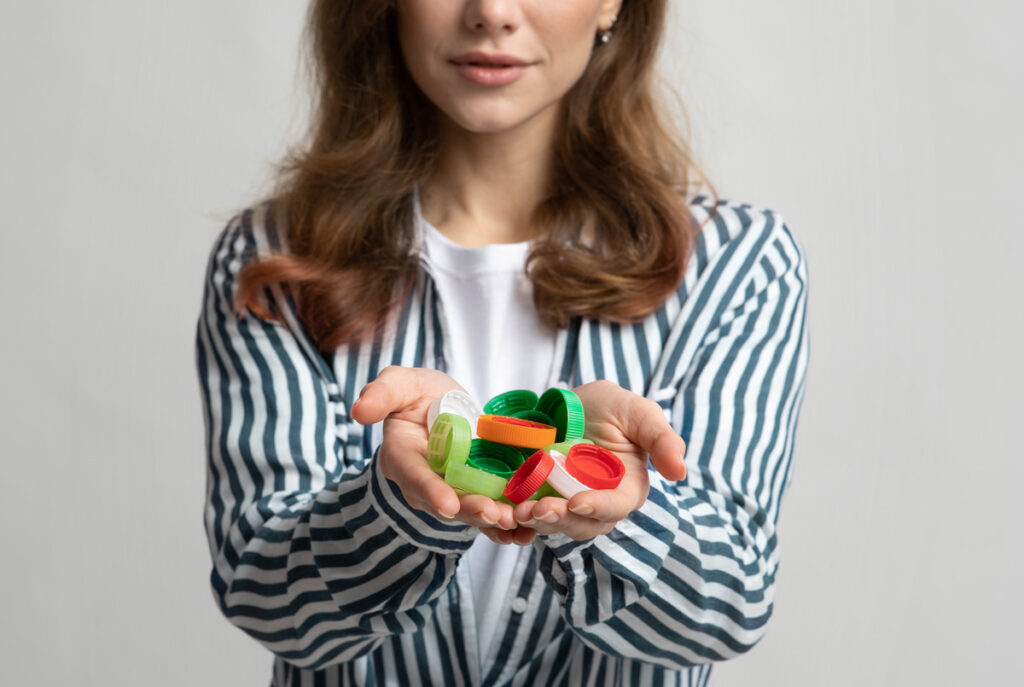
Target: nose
{"points": [[493, 16]]}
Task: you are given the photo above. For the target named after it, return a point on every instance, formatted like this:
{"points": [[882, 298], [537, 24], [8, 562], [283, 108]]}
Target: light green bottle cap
{"points": [[467, 478], [450, 439]]}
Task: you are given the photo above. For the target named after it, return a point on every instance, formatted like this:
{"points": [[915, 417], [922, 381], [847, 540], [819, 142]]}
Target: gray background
{"points": [[886, 133]]}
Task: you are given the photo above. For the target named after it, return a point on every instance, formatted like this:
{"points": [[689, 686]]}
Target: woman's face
{"points": [[493, 65]]}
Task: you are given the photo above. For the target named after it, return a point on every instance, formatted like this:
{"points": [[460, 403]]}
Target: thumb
{"points": [[667, 456], [395, 389], [652, 432]]}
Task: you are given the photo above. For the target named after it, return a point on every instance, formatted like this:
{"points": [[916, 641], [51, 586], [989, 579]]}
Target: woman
{"points": [[489, 200]]}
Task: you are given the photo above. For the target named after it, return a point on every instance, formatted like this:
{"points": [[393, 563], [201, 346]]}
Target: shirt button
{"points": [[519, 604]]}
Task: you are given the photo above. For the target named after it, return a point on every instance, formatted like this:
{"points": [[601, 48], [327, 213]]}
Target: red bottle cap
{"points": [[530, 476], [596, 467]]}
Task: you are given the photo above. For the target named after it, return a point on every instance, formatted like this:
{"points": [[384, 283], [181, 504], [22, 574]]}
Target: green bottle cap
{"points": [[564, 446], [545, 490], [566, 412]]}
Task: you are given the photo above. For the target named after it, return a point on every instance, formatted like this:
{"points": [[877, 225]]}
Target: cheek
{"points": [[569, 62], [570, 40], [420, 27]]}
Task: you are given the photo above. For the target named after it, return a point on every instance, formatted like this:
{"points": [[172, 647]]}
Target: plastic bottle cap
{"points": [[596, 467], [449, 439], [545, 490], [564, 446], [510, 402], [566, 411], [514, 431], [533, 415], [457, 402], [468, 478], [497, 459], [560, 479], [530, 476]]}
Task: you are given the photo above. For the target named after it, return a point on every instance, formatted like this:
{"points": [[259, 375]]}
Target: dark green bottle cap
{"points": [[511, 402], [497, 459], [534, 415]]}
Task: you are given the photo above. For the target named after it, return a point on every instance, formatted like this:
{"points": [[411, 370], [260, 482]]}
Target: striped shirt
{"points": [[318, 557]]}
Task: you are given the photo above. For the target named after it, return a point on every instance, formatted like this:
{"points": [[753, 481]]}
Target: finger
{"points": [[524, 511], [437, 493], [544, 513], [394, 389], [523, 535], [647, 426], [608, 505], [558, 520], [612, 505], [497, 514], [403, 463], [497, 536], [482, 511]]}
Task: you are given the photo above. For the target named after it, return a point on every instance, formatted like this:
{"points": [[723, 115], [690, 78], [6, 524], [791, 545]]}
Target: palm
{"points": [[401, 397], [607, 430]]}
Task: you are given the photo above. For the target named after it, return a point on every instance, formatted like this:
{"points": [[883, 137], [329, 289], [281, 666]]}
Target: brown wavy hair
{"points": [[615, 226]]}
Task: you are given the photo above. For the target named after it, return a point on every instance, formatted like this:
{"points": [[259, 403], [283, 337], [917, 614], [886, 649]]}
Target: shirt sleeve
{"points": [[689, 577], [315, 554]]}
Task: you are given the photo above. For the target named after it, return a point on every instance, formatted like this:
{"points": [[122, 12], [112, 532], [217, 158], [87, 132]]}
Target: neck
{"points": [[486, 186]]}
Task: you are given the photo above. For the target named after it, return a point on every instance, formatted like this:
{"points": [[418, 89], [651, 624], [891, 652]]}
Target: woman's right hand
{"points": [[401, 396]]}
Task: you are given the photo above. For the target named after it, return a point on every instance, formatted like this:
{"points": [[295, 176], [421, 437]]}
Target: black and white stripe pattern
{"points": [[316, 555]]}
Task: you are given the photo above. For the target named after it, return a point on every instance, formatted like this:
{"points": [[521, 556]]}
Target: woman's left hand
{"points": [[630, 426]]}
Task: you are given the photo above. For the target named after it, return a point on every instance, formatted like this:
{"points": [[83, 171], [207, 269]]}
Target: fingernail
{"points": [[549, 517], [488, 520], [530, 522], [582, 509]]}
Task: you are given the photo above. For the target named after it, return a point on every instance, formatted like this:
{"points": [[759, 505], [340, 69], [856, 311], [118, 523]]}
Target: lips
{"points": [[490, 69], [489, 60]]}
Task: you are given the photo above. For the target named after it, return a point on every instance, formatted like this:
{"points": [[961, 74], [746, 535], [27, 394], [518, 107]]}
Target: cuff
{"points": [[418, 527], [564, 547], [635, 549]]}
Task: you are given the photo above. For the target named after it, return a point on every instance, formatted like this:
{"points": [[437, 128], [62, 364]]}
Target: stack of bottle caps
{"points": [[518, 446]]}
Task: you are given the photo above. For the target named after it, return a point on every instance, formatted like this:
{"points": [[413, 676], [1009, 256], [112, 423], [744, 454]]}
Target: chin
{"points": [[490, 122], [487, 127], [484, 123]]}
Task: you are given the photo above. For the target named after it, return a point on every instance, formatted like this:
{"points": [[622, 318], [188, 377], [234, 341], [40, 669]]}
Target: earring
{"points": [[606, 35]]}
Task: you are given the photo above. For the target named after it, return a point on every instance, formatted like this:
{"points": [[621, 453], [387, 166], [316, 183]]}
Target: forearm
{"points": [[680, 581], [329, 578]]}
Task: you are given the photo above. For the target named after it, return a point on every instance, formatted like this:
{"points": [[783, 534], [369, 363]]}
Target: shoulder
{"points": [[731, 226], [250, 233], [739, 246]]}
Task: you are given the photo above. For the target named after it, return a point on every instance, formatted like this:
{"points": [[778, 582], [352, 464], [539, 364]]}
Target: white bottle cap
{"points": [[457, 402], [560, 479]]}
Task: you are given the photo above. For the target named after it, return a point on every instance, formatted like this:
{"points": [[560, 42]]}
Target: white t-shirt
{"points": [[497, 343]]}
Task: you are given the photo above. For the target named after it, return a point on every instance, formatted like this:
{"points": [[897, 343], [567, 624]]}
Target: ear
{"points": [[609, 12]]}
